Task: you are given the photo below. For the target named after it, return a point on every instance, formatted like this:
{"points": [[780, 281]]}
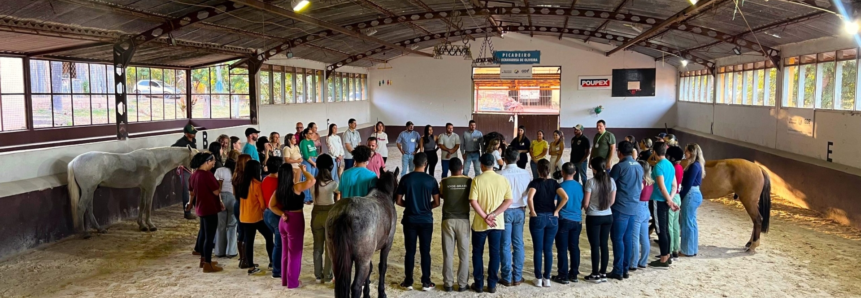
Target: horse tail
{"points": [[342, 256], [765, 201], [74, 194]]}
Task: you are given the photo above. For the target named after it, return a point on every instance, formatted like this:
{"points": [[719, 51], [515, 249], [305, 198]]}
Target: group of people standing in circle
{"points": [[264, 186]]}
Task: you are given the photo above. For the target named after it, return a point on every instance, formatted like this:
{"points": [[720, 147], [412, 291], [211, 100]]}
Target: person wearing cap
{"points": [[187, 140], [408, 145], [580, 153], [605, 144], [471, 149], [250, 148], [489, 196]]}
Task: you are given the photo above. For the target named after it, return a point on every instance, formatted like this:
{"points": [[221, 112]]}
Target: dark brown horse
{"points": [[356, 228], [750, 183]]}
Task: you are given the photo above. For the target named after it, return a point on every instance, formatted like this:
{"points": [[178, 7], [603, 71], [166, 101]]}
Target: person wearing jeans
{"points": [[287, 203], [544, 220], [568, 236], [407, 143], [515, 217], [449, 144], [352, 139], [641, 245], [580, 150], [691, 200], [489, 197], [471, 149], [418, 193], [628, 176]]}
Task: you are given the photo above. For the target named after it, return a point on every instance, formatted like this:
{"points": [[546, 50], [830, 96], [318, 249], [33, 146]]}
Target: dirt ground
{"points": [[804, 255]]}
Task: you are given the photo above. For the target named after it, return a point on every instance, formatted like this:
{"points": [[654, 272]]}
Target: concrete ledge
{"points": [[829, 188]]}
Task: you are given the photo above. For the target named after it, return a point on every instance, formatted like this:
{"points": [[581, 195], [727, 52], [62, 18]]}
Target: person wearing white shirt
{"points": [[515, 217], [449, 143], [352, 139], [336, 150], [225, 240], [382, 140]]}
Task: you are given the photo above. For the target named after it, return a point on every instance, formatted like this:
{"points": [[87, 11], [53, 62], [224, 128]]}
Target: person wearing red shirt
{"points": [[376, 163], [204, 192]]}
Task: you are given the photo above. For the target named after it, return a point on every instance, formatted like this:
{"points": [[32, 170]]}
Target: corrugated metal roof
{"points": [[242, 31]]}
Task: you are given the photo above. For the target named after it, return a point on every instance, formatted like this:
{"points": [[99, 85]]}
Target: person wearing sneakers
{"points": [[570, 218], [418, 193], [546, 199], [664, 175], [205, 191], [489, 196], [454, 191], [600, 193]]}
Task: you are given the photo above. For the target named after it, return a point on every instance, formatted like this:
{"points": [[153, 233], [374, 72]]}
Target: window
{"points": [[69, 94], [218, 92], [12, 105], [696, 86], [746, 84], [822, 81], [497, 95]]}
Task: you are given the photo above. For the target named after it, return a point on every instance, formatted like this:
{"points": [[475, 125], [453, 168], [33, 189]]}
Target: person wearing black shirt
{"points": [[521, 143], [187, 140], [418, 193], [546, 199], [580, 150]]}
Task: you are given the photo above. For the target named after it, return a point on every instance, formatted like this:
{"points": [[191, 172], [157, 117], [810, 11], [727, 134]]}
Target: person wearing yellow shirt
{"points": [[489, 196], [538, 151]]}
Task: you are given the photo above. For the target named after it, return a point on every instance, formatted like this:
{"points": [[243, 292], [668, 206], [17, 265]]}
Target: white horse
{"points": [[142, 168]]}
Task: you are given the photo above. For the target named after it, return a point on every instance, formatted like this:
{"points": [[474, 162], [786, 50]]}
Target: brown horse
{"points": [[355, 229], [750, 183]]}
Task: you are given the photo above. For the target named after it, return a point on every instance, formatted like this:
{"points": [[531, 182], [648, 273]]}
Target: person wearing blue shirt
{"points": [[568, 236], [408, 145], [471, 149], [628, 175], [358, 180], [664, 175], [249, 148], [691, 199]]}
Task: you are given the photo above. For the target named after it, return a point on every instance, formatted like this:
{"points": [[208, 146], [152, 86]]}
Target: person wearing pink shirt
{"points": [[376, 162]]}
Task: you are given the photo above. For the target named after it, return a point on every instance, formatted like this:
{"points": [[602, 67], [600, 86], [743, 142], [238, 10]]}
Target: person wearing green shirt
{"points": [[605, 144], [309, 159]]}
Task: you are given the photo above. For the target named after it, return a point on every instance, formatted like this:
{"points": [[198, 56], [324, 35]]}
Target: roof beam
{"points": [[739, 36], [529, 17], [573, 2], [476, 5], [305, 19], [678, 17], [374, 6], [342, 53], [427, 8], [618, 7], [696, 59]]}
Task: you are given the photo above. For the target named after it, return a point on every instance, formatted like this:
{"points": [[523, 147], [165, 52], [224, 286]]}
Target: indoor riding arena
{"points": [[463, 148]]}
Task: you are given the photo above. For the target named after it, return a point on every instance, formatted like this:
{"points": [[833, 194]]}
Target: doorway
{"points": [[501, 105]]}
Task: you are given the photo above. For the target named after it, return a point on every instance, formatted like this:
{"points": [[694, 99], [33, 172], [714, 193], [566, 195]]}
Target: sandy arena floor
{"points": [[803, 256]]}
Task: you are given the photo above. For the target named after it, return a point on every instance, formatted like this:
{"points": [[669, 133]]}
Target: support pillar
{"points": [[123, 52], [254, 64]]}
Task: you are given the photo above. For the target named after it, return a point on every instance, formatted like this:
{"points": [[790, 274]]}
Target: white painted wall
{"points": [[39, 169], [770, 126], [283, 118], [433, 91]]}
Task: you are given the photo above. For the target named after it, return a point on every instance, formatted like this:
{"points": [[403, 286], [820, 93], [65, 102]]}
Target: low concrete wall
{"points": [[829, 188], [33, 218]]}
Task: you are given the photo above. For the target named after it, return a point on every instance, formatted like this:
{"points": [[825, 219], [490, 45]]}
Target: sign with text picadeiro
{"points": [[517, 57]]}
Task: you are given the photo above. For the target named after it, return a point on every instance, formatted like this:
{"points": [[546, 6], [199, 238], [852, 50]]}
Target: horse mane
{"points": [[388, 183]]}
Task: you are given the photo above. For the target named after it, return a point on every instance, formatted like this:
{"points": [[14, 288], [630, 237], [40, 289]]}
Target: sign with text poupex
{"points": [[594, 83], [517, 57]]}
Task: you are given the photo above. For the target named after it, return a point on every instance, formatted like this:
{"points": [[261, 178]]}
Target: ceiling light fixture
{"points": [[694, 2], [370, 31], [851, 27], [736, 50], [684, 63], [299, 5], [289, 54]]}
